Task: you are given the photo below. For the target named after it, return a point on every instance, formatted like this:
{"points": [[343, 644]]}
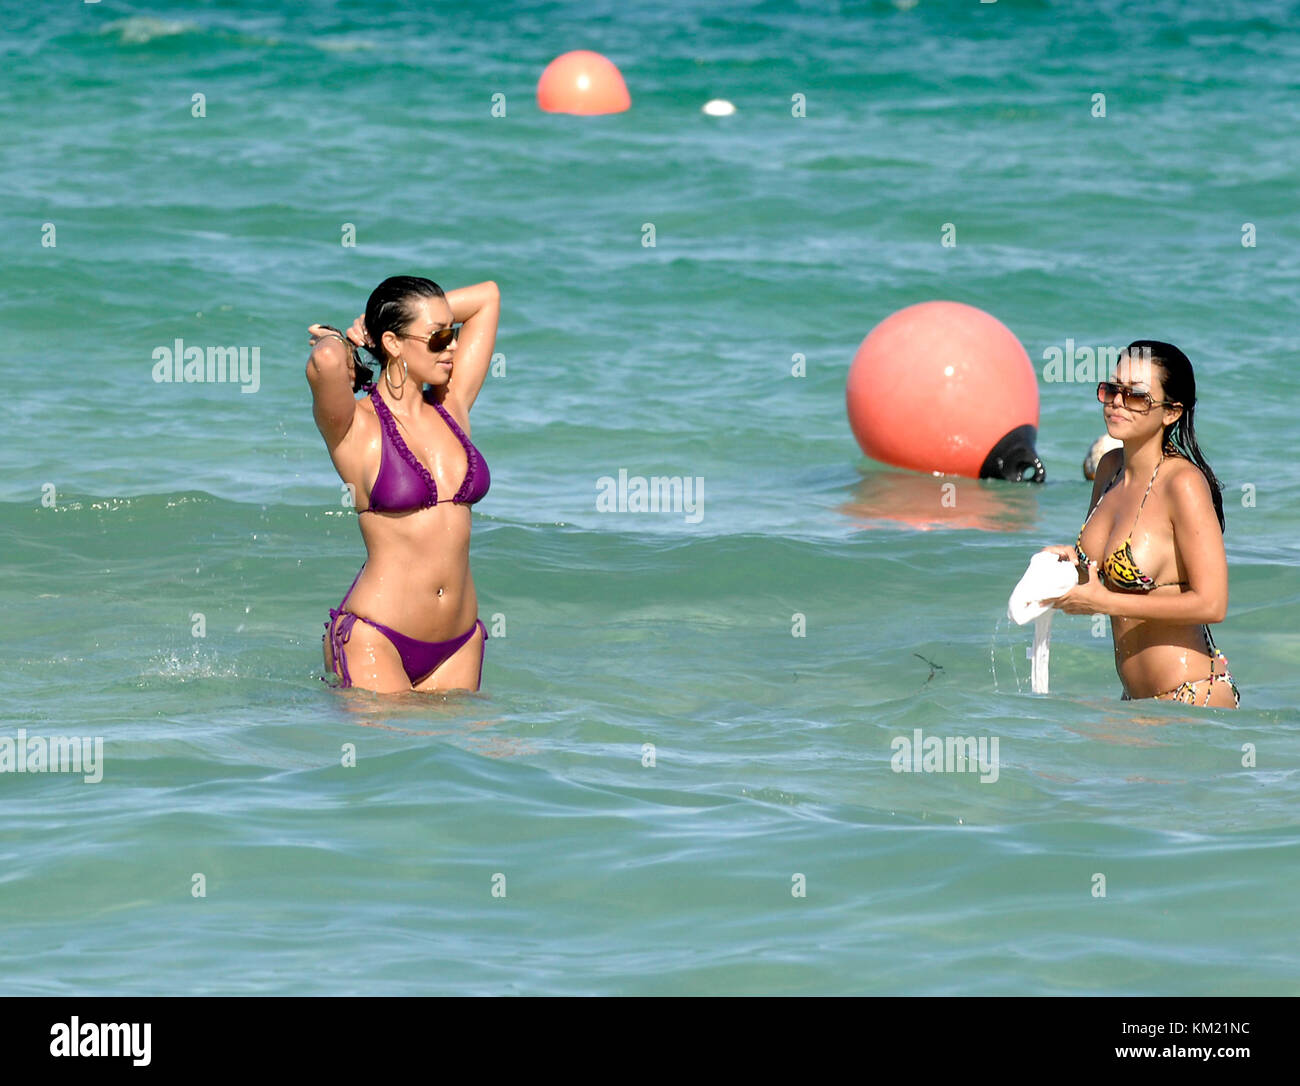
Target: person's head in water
{"points": [[404, 315], [1159, 399]]}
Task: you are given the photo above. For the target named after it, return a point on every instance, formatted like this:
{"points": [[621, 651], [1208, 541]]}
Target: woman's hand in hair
{"points": [[328, 351], [358, 334]]}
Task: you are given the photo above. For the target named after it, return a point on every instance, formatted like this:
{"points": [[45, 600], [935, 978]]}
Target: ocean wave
{"points": [[341, 45], [137, 29]]}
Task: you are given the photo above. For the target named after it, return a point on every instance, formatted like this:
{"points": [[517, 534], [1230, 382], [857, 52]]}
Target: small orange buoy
{"points": [[945, 387], [582, 82]]}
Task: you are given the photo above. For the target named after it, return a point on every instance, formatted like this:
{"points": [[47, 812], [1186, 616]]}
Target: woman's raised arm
{"points": [[331, 370], [479, 307]]}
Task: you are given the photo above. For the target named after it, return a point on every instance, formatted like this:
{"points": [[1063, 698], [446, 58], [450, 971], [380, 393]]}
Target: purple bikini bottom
{"points": [[419, 658]]}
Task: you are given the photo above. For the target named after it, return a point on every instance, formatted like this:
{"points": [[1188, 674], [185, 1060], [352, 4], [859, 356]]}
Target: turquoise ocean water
{"points": [[127, 506]]}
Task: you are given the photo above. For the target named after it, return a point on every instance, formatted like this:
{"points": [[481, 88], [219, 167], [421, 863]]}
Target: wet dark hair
{"points": [[1180, 387], [390, 309]]}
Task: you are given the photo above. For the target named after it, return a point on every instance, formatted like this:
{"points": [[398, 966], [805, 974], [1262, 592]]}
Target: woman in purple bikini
{"points": [[410, 620]]}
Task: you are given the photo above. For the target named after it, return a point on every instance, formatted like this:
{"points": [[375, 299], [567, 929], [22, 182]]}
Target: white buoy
{"points": [[719, 107]]}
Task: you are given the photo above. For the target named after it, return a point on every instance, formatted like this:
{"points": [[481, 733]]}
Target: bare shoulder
{"points": [[1185, 482], [1107, 468], [366, 408], [1109, 464]]}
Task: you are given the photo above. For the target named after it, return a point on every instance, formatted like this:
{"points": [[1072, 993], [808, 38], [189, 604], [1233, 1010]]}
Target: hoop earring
{"points": [[389, 381]]}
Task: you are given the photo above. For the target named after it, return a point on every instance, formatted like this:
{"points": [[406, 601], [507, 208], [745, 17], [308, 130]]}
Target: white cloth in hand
{"points": [[1047, 577]]}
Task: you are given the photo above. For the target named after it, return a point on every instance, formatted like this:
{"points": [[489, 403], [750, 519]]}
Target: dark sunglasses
{"points": [[439, 340], [1139, 402]]}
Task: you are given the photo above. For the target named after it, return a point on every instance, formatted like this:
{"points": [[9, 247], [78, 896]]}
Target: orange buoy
{"points": [[582, 82], [947, 388]]}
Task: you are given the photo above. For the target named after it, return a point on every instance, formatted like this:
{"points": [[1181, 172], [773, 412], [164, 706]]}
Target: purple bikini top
{"points": [[403, 482]]}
